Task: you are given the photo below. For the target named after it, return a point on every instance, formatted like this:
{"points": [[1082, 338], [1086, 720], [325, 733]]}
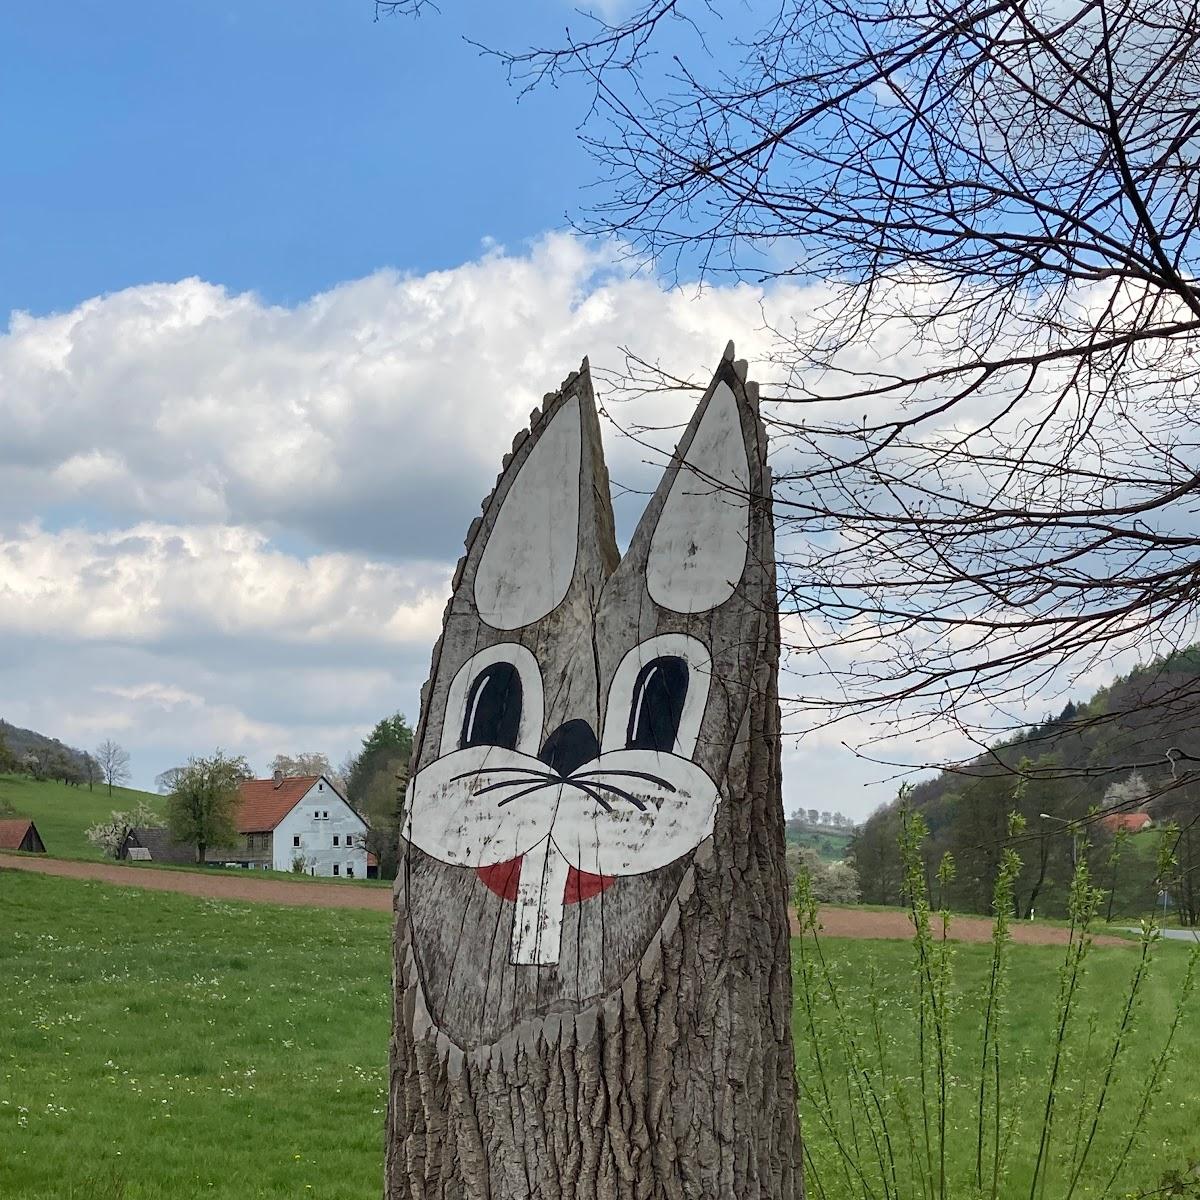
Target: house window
{"points": [[320, 787], [316, 814], [335, 839], [336, 869], [350, 869], [295, 839], [349, 839], [325, 816]]}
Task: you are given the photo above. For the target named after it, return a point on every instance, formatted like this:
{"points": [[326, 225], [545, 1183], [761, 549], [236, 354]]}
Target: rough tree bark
{"points": [[592, 974]]}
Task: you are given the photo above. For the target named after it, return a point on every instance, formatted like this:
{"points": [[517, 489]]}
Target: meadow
{"points": [[62, 813], [884, 971], [155, 1045]]}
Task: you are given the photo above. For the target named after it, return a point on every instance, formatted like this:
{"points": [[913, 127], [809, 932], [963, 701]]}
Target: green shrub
{"points": [[935, 1095]]}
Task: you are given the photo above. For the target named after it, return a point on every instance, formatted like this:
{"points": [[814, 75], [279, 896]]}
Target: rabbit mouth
{"points": [[543, 839], [503, 879]]}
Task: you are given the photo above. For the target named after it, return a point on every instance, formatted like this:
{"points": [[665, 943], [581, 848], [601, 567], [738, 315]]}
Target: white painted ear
{"points": [[529, 560], [698, 551]]}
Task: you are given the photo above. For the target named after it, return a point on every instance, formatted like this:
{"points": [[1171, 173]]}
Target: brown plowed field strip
{"points": [[837, 922], [212, 885], [864, 923]]}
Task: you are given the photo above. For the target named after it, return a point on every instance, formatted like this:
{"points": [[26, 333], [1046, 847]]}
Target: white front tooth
{"points": [[537, 919]]}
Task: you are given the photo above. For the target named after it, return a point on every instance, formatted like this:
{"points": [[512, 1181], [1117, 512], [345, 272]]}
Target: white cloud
{"points": [[366, 418], [223, 521], [150, 582], [229, 522]]}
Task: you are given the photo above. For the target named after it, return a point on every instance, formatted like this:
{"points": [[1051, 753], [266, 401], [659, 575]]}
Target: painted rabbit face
{"points": [[579, 715]]}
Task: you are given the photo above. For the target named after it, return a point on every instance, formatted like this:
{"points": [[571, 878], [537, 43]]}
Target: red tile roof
{"points": [[13, 831], [372, 859], [264, 804], [1134, 822]]}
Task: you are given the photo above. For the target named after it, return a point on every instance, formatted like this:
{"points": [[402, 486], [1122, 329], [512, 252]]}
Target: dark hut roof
{"points": [[163, 849]]}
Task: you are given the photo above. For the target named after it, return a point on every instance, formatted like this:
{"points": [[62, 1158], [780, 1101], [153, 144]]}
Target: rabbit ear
{"points": [[532, 547], [698, 523]]}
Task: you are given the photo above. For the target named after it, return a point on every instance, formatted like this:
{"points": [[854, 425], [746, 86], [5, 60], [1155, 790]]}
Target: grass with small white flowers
{"points": [[155, 1045]]}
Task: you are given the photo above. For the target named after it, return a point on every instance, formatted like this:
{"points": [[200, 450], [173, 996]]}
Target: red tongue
{"points": [[502, 878]]}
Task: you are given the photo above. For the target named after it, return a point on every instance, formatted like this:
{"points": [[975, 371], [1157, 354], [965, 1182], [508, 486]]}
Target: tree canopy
{"points": [[375, 781], [304, 763], [202, 805]]}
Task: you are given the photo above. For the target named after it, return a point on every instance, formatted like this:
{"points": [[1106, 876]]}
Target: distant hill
{"points": [[831, 845], [22, 742], [1112, 750]]}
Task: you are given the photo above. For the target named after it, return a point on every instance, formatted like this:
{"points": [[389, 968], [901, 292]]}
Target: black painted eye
{"points": [[658, 696], [493, 715]]}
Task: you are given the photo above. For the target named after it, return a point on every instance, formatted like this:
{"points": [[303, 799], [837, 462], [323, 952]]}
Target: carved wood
{"points": [[592, 973]]}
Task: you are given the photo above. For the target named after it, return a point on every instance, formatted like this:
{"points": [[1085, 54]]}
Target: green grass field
{"points": [[1173, 1140], [62, 813], [154, 1045]]}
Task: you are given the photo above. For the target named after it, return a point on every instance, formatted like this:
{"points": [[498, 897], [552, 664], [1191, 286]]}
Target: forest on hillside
{"points": [[1131, 748]]}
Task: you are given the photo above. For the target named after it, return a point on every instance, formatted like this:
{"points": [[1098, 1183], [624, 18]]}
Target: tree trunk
{"points": [[1043, 863], [632, 1038]]}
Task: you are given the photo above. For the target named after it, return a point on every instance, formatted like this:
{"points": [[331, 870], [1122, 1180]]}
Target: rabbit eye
{"points": [[657, 706], [493, 709], [657, 697]]}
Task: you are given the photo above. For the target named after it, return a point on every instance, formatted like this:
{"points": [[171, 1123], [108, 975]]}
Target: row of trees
{"points": [[972, 823], [811, 818], [108, 765]]}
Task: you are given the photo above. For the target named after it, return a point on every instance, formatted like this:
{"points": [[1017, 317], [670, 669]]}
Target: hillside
{"points": [[23, 742], [831, 845], [1109, 751], [62, 813]]}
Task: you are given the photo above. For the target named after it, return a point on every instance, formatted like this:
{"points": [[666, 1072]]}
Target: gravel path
{"points": [[838, 922], [212, 885]]}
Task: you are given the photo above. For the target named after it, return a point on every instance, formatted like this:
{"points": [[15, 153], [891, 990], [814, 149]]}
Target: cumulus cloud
{"points": [[364, 419], [151, 582], [228, 522]]}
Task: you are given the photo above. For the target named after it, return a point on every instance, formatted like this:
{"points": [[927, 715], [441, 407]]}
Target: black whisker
{"points": [[509, 783], [663, 783], [525, 771], [636, 801], [600, 800], [537, 787]]}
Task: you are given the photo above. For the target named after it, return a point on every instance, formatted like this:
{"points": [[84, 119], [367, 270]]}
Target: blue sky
{"points": [[280, 282], [276, 146]]}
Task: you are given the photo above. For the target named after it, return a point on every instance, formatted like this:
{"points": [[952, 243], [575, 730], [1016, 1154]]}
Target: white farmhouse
{"points": [[288, 820]]}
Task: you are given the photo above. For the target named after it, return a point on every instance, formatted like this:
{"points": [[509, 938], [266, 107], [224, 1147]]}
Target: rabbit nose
{"points": [[571, 745]]}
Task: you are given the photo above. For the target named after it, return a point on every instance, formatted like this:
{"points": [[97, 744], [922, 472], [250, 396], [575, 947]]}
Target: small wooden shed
{"points": [[155, 844], [20, 833]]}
